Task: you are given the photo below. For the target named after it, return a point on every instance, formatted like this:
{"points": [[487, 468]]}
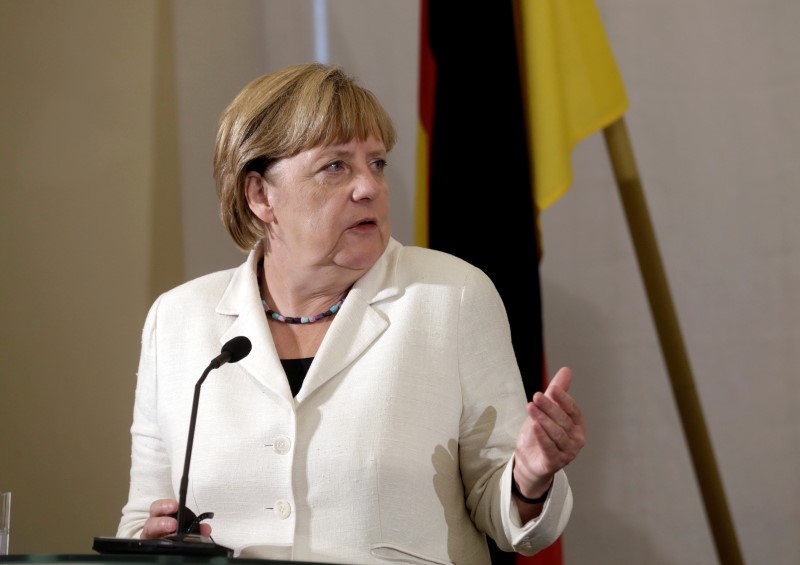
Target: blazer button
{"points": [[283, 509], [282, 445]]}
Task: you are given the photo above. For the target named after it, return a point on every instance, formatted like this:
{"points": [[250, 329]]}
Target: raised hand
{"points": [[550, 438]]}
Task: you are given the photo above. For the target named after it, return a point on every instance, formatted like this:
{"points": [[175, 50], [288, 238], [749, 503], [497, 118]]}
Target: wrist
{"points": [[519, 496]]}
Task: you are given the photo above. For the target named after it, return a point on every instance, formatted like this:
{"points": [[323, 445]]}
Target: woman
{"points": [[381, 414]]}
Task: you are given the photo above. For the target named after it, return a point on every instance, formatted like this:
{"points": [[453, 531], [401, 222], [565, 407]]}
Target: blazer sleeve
{"points": [[150, 464], [494, 408]]}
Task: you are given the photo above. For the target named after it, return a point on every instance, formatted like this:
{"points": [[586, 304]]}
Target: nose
{"points": [[368, 185]]}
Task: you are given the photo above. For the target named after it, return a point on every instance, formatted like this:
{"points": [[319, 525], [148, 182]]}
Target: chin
{"points": [[362, 259]]}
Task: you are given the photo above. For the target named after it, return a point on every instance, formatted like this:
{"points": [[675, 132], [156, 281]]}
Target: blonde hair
{"points": [[279, 115]]}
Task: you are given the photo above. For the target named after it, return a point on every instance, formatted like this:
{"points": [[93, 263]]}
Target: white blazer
{"points": [[398, 447]]}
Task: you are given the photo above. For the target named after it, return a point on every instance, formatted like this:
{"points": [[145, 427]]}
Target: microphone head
{"points": [[238, 348]]}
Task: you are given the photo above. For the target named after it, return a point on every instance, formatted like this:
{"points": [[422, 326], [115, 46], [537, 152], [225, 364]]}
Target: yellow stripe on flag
{"points": [[572, 86], [421, 214]]}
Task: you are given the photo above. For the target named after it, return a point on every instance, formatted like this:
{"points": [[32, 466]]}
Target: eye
{"points": [[334, 166], [379, 164]]}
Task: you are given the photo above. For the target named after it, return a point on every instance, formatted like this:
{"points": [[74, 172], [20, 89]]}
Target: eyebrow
{"points": [[341, 151]]}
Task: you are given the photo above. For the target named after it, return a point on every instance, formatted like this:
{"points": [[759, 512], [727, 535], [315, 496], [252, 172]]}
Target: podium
{"points": [[97, 559]]}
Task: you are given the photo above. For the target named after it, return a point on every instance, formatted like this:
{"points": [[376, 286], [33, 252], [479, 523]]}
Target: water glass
{"points": [[5, 521]]}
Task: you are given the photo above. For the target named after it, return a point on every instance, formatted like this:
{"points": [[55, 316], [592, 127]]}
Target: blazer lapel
{"points": [[353, 330], [357, 325], [242, 301]]}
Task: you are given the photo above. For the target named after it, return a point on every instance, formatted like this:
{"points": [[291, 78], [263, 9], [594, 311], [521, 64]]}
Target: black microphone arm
{"points": [[233, 351]]}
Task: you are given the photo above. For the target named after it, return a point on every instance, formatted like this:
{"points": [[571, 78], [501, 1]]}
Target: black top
{"points": [[296, 370]]}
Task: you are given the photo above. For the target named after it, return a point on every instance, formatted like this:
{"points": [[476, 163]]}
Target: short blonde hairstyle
{"points": [[279, 115]]}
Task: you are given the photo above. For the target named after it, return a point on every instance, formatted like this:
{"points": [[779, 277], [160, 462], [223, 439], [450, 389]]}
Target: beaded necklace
{"points": [[303, 319], [293, 319]]}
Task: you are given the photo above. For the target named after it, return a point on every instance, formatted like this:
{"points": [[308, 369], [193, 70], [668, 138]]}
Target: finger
{"points": [[163, 507], [554, 410], [566, 403], [552, 455], [565, 435], [205, 529], [158, 527], [542, 420]]}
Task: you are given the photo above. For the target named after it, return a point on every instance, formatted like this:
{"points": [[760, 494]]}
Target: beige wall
{"points": [[88, 190], [108, 110]]}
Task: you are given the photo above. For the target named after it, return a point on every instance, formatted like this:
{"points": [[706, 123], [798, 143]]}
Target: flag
{"points": [[572, 86], [498, 118]]}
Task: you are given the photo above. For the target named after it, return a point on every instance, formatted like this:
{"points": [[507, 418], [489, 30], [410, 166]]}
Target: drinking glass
{"points": [[5, 521]]}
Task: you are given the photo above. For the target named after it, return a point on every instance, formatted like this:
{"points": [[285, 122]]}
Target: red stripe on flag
{"points": [[427, 75], [551, 555]]}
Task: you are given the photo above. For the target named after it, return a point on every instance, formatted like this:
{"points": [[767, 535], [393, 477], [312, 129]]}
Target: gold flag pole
{"points": [[672, 346]]}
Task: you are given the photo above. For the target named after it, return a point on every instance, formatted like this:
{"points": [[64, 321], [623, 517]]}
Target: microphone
{"points": [[187, 540], [233, 351]]}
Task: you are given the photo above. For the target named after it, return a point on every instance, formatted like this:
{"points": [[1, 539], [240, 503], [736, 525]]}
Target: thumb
{"points": [[562, 379]]}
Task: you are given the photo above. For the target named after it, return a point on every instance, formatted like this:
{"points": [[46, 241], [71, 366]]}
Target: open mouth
{"points": [[364, 223]]}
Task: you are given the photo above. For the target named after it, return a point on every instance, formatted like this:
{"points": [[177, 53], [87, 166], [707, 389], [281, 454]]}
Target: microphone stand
{"points": [[188, 524]]}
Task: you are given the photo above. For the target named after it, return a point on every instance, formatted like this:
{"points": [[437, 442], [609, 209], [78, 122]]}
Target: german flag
{"points": [[498, 117]]}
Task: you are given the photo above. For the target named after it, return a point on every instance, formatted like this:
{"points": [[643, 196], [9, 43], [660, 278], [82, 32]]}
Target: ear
{"points": [[257, 193]]}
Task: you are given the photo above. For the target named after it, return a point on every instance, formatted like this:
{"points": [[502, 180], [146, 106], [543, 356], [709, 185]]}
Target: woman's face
{"points": [[329, 205]]}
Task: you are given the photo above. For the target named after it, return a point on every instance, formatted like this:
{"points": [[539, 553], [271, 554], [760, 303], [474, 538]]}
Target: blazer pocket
{"points": [[393, 552]]}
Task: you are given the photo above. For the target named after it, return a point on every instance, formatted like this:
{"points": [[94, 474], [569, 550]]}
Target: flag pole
{"points": [[672, 346]]}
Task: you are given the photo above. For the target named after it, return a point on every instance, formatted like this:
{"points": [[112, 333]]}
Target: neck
{"points": [[298, 296]]}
